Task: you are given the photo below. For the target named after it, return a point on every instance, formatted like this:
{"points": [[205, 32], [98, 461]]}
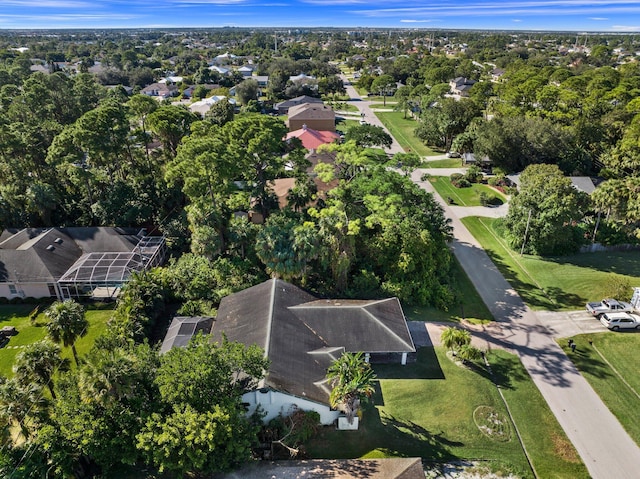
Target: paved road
{"points": [[364, 107], [604, 446]]}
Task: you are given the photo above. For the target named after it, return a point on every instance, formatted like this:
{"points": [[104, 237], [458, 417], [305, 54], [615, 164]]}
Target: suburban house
{"points": [[461, 86], [74, 262], [580, 183], [314, 115], [282, 187], [302, 78], [283, 106], [161, 90], [311, 139], [469, 159], [497, 74], [302, 335], [201, 107], [246, 71]]}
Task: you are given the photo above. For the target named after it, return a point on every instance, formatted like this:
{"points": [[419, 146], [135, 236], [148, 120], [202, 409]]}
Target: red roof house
{"points": [[311, 139]]}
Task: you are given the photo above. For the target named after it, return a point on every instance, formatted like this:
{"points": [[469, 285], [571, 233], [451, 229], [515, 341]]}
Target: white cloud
{"points": [[626, 28], [416, 21], [517, 20], [598, 18], [47, 3]]}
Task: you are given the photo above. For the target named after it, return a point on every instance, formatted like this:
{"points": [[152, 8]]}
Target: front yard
{"points": [[463, 196], [559, 283], [28, 333], [610, 365], [432, 409], [402, 130]]}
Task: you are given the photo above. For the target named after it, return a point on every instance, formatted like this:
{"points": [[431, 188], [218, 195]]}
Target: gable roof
{"points": [[311, 139], [302, 335]]}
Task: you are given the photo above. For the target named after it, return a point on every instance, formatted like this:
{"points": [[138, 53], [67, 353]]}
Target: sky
{"points": [[563, 15]]}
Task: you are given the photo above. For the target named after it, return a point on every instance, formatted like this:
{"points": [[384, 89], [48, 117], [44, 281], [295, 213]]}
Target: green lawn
{"points": [[427, 409], [445, 163], [342, 106], [463, 196], [469, 305], [18, 316], [402, 130], [555, 283], [620, 350], [389, 106]]}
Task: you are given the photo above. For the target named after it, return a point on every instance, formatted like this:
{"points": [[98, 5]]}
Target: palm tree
{"points": [[37, 363], [19, 403], [352, 379], [453, 338], [66, 324]]}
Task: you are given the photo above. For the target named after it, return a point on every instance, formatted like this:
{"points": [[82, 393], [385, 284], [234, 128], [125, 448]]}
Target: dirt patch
{"points": [[564, 449]]}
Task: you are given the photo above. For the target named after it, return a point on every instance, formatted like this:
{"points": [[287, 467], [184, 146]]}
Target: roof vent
{"points": [[58, 241], [50, 247]]}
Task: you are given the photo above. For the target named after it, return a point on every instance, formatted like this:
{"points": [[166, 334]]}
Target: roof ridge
{"points": [[384, 326], [272, 302]]}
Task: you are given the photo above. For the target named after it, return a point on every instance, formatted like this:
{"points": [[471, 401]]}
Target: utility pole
{"points": [[526, 231]]}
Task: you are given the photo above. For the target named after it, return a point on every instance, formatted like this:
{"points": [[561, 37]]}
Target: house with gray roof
{"points": [[302, 335], [73, 262], [283, 106]]}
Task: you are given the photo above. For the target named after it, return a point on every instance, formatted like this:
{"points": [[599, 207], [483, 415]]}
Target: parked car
{"points": [[616, 321], [452, 154], [609, 306]]}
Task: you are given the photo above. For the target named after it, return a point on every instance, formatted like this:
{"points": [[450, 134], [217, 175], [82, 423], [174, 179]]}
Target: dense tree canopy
{"points": [[544, 214]]}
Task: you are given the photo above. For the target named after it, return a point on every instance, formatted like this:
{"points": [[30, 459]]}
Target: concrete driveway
{"points": [[565, 324]]}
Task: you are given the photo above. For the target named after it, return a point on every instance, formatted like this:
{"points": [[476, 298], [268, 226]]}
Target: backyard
{"points": [[469, 196], [556, 283], [402, 130], [432, 409], [28, 332], [609, 362]]}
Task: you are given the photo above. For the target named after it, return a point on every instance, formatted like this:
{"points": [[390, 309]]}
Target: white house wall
{"points": [[25, 290], [275, 403]]}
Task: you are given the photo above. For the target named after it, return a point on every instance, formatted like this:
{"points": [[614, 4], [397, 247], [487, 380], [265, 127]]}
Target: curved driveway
{"points": [[604, 446]]}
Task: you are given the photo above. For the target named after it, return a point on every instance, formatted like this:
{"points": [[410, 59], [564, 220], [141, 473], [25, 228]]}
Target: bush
{"points": [[618, 286], [425, 177], [16, 300], [461, 183], [474, 174], [456, 177]]}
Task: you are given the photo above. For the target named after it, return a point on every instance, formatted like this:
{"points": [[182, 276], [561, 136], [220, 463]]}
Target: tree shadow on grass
{"points": [[620, 262], [382, 434], [426, 366], [588, 361], [506, 370], [418, 440]]}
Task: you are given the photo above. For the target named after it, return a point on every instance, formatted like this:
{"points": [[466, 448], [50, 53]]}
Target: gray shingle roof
{"points": [[45, 254], [302, 335]]}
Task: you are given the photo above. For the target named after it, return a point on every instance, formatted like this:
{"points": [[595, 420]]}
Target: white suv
{"points": [[616, 321]]}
